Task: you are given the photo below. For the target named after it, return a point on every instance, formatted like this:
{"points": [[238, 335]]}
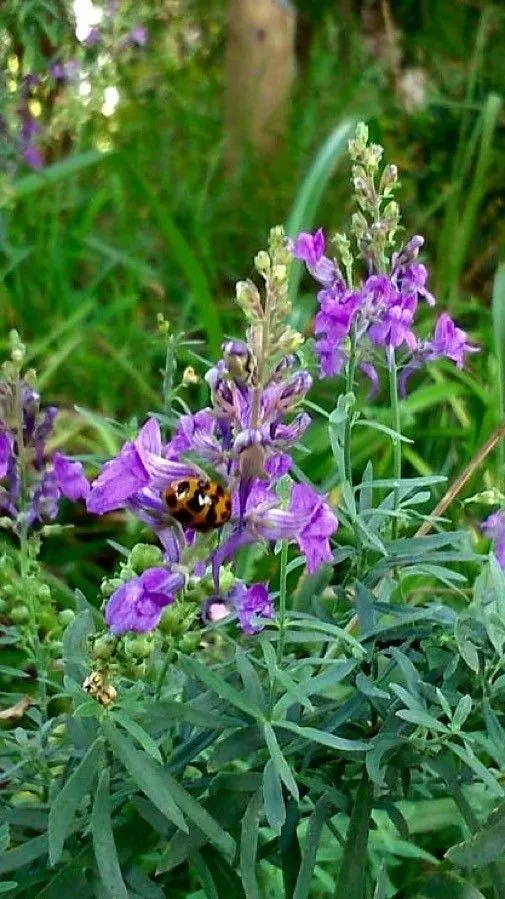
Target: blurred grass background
{"points": [[140, 212]]}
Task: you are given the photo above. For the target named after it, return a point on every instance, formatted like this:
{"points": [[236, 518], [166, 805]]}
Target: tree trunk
{"points": [[260, 73]]}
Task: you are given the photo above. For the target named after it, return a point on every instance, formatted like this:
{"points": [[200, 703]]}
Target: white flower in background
{"points": [[87, 16], [111, 100]]}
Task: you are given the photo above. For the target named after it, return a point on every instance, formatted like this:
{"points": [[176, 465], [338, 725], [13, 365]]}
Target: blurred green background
{"points": [[157, 201]]}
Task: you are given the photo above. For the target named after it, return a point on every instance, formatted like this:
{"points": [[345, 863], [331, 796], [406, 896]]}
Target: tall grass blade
{"points": [[189, 264], [303, 214], [53, 174], [498, 304]]}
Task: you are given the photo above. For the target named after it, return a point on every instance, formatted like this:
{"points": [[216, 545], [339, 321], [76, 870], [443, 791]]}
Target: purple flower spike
{"points": [[494, 528], [70, 478], [138, 604], [317, 524], [449, 341], [251, 603]]}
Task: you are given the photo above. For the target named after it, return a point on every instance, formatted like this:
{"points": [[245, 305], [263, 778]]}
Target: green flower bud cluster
{"points": [[26, 602], [376, 224]]}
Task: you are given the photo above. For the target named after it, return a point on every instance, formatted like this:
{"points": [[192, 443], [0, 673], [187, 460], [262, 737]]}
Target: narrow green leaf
{"points": [[353, 869], [307, 201], [54, 174], [289, 845], [201, 817], [309, 851], [250, 679], [139, 734], [249, 847], [103, 841], [212, 680], [24, 854], [151, 778], [499, 339], [183, 256], [423, 719], [273, 801], [281, 765], [485, 846], [380, 891], [68, 800], [324, 738]]}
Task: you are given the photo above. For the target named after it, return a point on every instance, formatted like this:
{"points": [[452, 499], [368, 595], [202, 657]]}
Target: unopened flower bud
{"points": [[138, 647], [163, 324], [279, 274], [290, 341], [283, 366], [239, 361], [357, 146], [359, 225], [262, 262], [104, 647], [226, 580], [189, 376], [374, 155], [189, 643], [66, 617], [277, 237], [44, 593], [109, 586], [295, 390], [392, 212], [19, 614], [144, 556], [389, 177], [249, 300]]}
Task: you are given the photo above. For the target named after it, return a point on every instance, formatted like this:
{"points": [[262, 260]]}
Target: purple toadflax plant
{"points": [[32, 479], [370, 294], [244, 441]]}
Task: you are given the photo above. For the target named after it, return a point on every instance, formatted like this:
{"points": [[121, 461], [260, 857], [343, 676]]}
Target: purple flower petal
{"points": [[251, 603], [118, 481], [5, 452], [70, 478], [138, 604], [318, 523]]}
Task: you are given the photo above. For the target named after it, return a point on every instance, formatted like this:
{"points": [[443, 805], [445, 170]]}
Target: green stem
{"points": [[281, 618], [349, 387], [162, 676], [397, 445]]}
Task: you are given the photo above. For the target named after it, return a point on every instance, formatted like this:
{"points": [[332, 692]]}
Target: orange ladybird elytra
{"points": [[198, 504]]}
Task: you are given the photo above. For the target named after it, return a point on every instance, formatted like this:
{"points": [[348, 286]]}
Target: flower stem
{"points": [[282, 601], [349, 387], [162, 675], [397, 446]]}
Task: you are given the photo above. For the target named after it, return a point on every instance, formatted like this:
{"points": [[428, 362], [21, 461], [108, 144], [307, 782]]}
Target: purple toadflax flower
{"points": [[251, 603], [494, 528], [137, 605], [448, 341]]}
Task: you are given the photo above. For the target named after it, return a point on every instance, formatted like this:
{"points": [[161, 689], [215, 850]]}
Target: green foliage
{"points": [[356, 749]]}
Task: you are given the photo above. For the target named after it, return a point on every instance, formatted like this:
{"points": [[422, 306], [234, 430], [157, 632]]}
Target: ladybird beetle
{"points": [[199, 504]]}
